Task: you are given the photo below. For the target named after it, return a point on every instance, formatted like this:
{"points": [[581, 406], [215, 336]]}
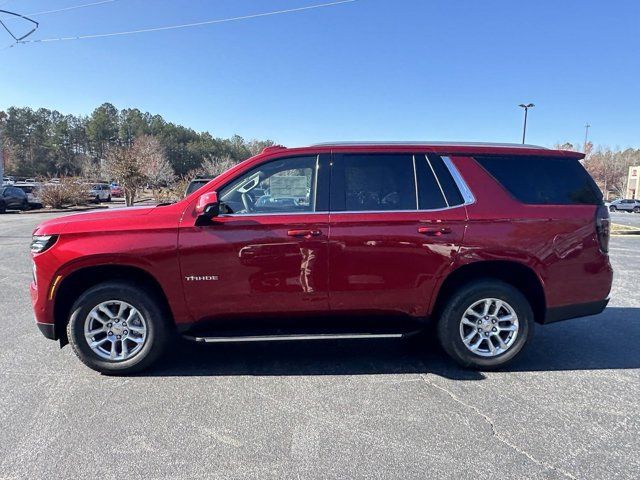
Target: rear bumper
{"points": [[557, 314]]}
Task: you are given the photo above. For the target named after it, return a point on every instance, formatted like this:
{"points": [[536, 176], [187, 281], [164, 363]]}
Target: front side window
{"points": [[285, 185], [379, 182]]}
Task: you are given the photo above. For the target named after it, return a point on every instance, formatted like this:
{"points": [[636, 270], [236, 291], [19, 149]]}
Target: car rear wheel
{"points": [[636, 209], [485, 325], [612, 208], [117, 328], [3, 208]]}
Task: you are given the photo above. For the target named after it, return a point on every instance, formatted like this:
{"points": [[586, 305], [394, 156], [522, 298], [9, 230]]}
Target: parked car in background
{"points": [[116, 191], [12, 198], [100, 192], [32, 190], [482, 242], [8, 180], [196, 184], [625, 205]]}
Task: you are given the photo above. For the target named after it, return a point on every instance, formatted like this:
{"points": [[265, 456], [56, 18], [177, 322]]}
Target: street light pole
{"points": [[586, 137], [526, 111]]}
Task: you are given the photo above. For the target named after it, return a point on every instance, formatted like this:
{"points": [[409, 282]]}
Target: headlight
{"points": [[40, 243]]}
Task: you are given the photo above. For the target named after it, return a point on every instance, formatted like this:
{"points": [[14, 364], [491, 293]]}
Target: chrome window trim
{"points": [[415, 182], [467, 194], [446, 200]]}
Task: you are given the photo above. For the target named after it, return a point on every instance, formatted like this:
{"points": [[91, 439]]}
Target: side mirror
{"points": [[208, 205]]}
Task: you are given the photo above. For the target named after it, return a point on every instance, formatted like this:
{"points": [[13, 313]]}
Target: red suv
{"points": [[339, 240]]}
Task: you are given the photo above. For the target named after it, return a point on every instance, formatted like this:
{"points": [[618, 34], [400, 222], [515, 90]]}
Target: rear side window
{"points": [[377, 182], [543, 180]]}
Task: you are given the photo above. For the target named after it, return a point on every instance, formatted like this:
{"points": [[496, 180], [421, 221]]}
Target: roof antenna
{"points": [[19, 39]]}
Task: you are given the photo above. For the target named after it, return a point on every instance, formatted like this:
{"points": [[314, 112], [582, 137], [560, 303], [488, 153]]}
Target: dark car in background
{"points": [[12, 198], [196, 184]]}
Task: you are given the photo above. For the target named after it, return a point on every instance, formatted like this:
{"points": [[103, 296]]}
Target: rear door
{"points": [[396, 223]]}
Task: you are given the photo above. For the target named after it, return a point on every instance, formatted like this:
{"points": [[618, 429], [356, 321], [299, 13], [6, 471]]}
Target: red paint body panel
{"points": [[353, 262]]}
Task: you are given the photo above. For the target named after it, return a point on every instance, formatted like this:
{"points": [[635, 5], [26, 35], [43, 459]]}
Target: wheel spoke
{"points": [[103, 308], [506, 318], [469, 337], [487, 306], [97, 343], [121, 308], [509, 328], [474, 346], [125, 348], [135, 328], [132, 313], [468, 322], [471, 311], [492, 347], [92, 333], [136, 339], [503, 345], [113, 352], [497, 308]]}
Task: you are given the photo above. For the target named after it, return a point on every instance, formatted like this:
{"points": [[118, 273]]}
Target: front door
{"points": [[267, 252], [397, 221]]}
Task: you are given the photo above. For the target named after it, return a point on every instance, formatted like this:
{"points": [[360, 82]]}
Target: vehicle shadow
{"points": [[605, 341]]}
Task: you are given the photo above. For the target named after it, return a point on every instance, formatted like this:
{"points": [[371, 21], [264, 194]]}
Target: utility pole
{"points": [[586, 137], [526, 111], [1, 157]]}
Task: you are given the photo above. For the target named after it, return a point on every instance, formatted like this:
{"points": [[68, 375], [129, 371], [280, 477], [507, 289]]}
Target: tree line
{"points": [[48, 143], [608, 167]]}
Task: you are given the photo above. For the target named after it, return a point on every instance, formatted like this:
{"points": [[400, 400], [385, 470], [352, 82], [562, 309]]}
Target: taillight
{"points": [[603, 224]]}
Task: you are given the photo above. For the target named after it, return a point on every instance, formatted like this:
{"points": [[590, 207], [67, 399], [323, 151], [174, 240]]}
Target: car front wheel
{"points": [[117, 328], [485, 325], [612, 208]]}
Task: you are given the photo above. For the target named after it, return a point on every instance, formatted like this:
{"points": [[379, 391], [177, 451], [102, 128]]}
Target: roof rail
{"points": [[430, 144]]}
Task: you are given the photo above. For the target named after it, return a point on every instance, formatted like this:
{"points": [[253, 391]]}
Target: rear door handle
{"points": [[304, 233], [434, 231]]}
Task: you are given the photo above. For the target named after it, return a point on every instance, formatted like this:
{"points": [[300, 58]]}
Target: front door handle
{"points": [[304, 233], [434, 231]]}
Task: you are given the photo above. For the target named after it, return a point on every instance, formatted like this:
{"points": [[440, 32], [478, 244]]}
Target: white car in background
{"points": [[626, 204], [100, 192]]}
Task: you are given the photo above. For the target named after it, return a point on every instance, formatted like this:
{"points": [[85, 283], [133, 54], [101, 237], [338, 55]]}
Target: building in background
{"points": [[633, 182]]}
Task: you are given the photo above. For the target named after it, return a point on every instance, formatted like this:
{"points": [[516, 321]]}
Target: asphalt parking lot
{"points": [[569, 408], [626, 218]]}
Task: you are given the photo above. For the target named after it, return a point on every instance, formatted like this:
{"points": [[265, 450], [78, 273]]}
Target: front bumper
{"points": [[48, 330], [557, 314]]}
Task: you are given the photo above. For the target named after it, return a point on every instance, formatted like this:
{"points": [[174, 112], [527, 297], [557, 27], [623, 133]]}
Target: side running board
{"points": [[287, 338]]}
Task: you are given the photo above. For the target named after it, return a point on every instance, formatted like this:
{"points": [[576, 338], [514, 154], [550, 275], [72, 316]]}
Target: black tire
{"points": [[97, 199], [449, 330], [3, 208], [25, 206], [109, 198], [158, 336], [636, 209], [612, 208]]}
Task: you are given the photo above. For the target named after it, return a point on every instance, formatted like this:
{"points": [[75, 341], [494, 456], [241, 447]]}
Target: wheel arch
{"points": [[80, 280], [516, 274]]}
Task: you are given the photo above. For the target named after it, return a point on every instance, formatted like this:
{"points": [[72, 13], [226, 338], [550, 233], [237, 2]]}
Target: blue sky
{"points": [[367, 70]]}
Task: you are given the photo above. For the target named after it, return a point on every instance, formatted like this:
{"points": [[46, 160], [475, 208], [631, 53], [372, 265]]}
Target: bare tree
{"points": [[153, 161], [123, 165], [214, 166]]}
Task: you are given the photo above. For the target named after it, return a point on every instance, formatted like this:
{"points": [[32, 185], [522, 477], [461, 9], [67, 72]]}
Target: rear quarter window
{"points": [[543, 180]]}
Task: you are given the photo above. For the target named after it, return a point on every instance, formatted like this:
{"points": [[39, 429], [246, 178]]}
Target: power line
{"points": [[189, 25], [75, 7]]}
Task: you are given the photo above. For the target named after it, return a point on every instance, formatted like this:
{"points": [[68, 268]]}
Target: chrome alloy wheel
{"points": [[115, 330], [489, 327]]}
